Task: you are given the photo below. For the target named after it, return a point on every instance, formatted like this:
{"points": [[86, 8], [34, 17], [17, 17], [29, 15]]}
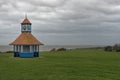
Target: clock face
{"points": [[24, 27], [29, 28]]}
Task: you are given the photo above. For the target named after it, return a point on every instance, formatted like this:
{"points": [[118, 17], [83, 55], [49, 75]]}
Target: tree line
{"points": [[115, 47]]}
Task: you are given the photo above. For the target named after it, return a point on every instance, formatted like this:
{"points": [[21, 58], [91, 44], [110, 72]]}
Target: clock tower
{"points": [[26, 45], [26, 26]]}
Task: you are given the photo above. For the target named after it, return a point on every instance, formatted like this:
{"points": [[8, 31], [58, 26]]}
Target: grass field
{"points": [[82, 64]]}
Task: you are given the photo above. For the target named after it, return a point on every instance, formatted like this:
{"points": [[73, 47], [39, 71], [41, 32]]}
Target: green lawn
{"points": [[82, 64]]}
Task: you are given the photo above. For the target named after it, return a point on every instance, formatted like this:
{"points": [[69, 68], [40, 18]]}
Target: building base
{"points": [[26, 54]]}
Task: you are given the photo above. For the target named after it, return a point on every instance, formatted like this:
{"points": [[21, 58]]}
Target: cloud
{"points": [[72, 22]]}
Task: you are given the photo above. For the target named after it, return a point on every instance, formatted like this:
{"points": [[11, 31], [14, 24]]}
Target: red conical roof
{"points": [[26, 21]]}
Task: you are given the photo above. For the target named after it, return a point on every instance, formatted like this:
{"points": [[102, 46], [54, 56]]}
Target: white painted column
{"points": [[38, 48], [18, 48], [21, 48], [30, 48], [15, 47], [34, 48]]}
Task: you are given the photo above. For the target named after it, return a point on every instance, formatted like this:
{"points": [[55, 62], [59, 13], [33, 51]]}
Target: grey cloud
{"points": [[63, 21]]}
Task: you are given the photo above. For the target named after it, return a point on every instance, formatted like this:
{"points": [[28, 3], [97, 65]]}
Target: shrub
{"points": [[61, 49], [53, 49], [108, 48], [9, 51], [116, 47]]}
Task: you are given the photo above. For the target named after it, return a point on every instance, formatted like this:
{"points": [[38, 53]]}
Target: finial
{"points": [[26, 15]]}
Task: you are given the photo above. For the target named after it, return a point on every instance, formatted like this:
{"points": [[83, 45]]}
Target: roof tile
{"points": [[26, 39]]}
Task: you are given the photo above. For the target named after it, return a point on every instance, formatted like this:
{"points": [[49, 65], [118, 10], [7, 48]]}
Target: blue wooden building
{"points": [[26, 45]]}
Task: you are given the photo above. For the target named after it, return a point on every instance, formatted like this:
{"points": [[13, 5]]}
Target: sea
{"points": [[4, 48]]}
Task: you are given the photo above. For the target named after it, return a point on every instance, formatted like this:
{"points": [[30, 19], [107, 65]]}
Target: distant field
{"points": [[84, 64]]}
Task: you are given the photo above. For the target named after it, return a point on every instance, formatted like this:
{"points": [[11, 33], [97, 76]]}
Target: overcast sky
{"points": [[62, 22]]}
